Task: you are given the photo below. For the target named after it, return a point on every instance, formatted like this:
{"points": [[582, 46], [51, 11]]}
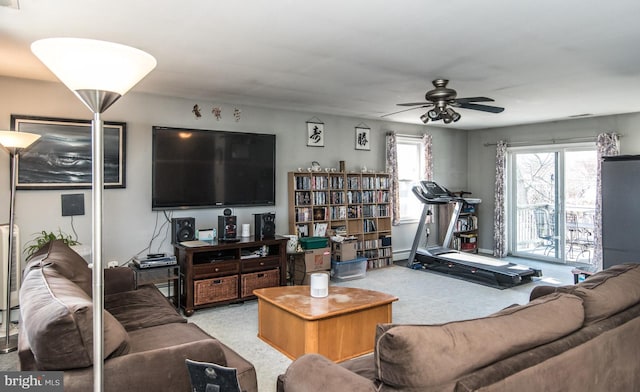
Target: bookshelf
{"points": [[348, 204], [465, 235]]}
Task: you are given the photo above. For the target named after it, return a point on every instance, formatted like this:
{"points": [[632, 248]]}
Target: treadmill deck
{"points": [[480, 269]]}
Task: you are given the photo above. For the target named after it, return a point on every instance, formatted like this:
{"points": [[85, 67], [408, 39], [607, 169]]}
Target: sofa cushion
{"points": [[142, 308], [59, 256], [608, 292], [57, 316], [363, 366], [422, 356]]}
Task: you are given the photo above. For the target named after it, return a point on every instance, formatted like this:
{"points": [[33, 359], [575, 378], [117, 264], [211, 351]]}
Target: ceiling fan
{"points": [[442, 99]]}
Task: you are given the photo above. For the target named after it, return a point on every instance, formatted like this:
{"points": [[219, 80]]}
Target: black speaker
{"points": [[264, 225], [183, 229], [227, 227]]}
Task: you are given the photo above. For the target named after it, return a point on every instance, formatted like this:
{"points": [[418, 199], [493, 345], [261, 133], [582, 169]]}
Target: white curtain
{"points": [[392, 169], [428, 166], [607, 145], [500, 208], [427, 141]]}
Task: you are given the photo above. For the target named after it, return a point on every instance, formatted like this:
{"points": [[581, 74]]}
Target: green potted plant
{"points": [[44, 237]]}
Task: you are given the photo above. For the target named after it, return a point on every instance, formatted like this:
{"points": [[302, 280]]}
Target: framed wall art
{"points": [[62, 157], [363, 141], [315, 134]]}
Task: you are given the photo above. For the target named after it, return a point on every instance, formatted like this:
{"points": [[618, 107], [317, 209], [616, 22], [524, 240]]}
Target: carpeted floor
{"points": [[424, 297]]}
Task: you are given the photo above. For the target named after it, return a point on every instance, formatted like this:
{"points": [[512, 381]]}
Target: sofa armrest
{"points": [[313, 372], [118, 280], [541, 291], [158, 370]]}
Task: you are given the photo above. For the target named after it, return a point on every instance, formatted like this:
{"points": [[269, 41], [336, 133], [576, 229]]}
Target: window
{"points": [[410, 171]]}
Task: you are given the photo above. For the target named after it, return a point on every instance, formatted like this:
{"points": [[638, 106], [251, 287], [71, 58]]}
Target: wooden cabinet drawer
{"points": [[219, 268], [259, 280], [215, 290], [260, 264]]}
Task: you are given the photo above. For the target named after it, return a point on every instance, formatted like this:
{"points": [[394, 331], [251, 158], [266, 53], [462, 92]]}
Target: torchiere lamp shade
{"points": [[13, 139], [88, 66]]}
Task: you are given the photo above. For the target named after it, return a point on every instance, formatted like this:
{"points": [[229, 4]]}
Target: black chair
{"points": [[545, 229], [580, 239], [209, 377]]}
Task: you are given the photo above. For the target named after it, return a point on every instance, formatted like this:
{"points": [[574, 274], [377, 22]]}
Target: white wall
{"points": [[128, 220], [461, 160], [481, 158]]}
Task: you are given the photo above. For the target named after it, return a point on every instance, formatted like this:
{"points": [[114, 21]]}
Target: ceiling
{"points": [[541, 60]]}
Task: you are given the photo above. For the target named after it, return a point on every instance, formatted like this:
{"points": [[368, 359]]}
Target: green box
{"points": [[314, 242]]}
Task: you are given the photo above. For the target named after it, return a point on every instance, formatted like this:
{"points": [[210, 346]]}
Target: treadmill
{"points": [[480, 269]]}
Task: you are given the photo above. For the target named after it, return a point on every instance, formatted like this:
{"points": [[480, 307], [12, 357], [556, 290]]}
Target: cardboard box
{"points": [[317, 259], [346, 250], [308, 262]]}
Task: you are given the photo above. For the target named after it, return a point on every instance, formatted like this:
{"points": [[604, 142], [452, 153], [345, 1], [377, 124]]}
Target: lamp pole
{"points": [[13, 142], [97, 101], [98, 73], [10, 342]]}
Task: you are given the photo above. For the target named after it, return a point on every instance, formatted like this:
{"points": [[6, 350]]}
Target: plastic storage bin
{"points": [[349, 270], [314, 242]]}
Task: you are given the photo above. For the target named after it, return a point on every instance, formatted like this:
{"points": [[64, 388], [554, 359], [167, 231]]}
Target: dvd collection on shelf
{"points": [[346, 204]]}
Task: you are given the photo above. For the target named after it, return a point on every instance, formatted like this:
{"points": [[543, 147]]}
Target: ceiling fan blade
{"points": [[473, 99], [414, 103], [406, 110], [482, 108]]}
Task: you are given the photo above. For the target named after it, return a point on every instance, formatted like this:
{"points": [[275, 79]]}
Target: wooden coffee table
{"points": [[340, 326]]}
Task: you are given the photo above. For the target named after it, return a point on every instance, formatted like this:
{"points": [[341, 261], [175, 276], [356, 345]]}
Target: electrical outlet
{"points": [[113, 264]]}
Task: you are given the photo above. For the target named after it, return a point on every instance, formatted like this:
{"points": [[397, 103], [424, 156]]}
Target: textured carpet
{"points": [[424, 297]]}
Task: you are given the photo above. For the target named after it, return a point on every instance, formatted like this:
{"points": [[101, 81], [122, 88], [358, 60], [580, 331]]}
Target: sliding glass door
{"points": [[552, 192]]}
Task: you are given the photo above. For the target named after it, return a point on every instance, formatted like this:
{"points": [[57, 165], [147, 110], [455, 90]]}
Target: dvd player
{"points": [[148, 262]]}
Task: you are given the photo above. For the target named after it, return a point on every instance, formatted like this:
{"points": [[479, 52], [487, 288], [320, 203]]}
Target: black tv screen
{"points": [[195, 168]]}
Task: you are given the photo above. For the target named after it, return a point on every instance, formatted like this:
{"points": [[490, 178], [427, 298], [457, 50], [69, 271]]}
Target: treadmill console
{"points": [[433, 190], [431, 193]]}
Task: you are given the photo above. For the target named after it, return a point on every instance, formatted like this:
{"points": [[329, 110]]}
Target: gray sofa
{"points": [[146, 341], [584, 337]]}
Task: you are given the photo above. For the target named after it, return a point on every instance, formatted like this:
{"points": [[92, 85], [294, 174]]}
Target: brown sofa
{"points": [[574, 338], [146, 341]]}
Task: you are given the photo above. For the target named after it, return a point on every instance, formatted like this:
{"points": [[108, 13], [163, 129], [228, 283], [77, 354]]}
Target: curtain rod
{"points": [[405, 135], [551, 141]]}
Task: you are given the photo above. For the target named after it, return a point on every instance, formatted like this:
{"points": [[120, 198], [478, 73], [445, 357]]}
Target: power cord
{"points": [[74, 229], [156, 233]]}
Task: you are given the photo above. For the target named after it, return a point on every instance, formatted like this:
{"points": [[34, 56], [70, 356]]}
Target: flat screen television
{"points": [[196, 168]]}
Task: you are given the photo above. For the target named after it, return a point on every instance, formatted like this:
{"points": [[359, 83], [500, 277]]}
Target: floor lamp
{"points": [[14, 142], [98, 73]]}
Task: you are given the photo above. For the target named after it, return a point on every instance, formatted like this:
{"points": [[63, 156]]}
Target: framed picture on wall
{"points": [[315, 134], [363, 141], [62, 157]]}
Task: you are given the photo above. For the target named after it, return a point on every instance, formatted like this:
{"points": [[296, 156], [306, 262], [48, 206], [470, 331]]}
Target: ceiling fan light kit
{"points": [[442, 98]]}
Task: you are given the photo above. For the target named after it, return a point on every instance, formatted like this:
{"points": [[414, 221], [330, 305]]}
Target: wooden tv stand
{"points": [[227, 272]]}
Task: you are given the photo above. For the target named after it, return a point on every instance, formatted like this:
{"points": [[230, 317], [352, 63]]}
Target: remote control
{"points": [[155, 255]]}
